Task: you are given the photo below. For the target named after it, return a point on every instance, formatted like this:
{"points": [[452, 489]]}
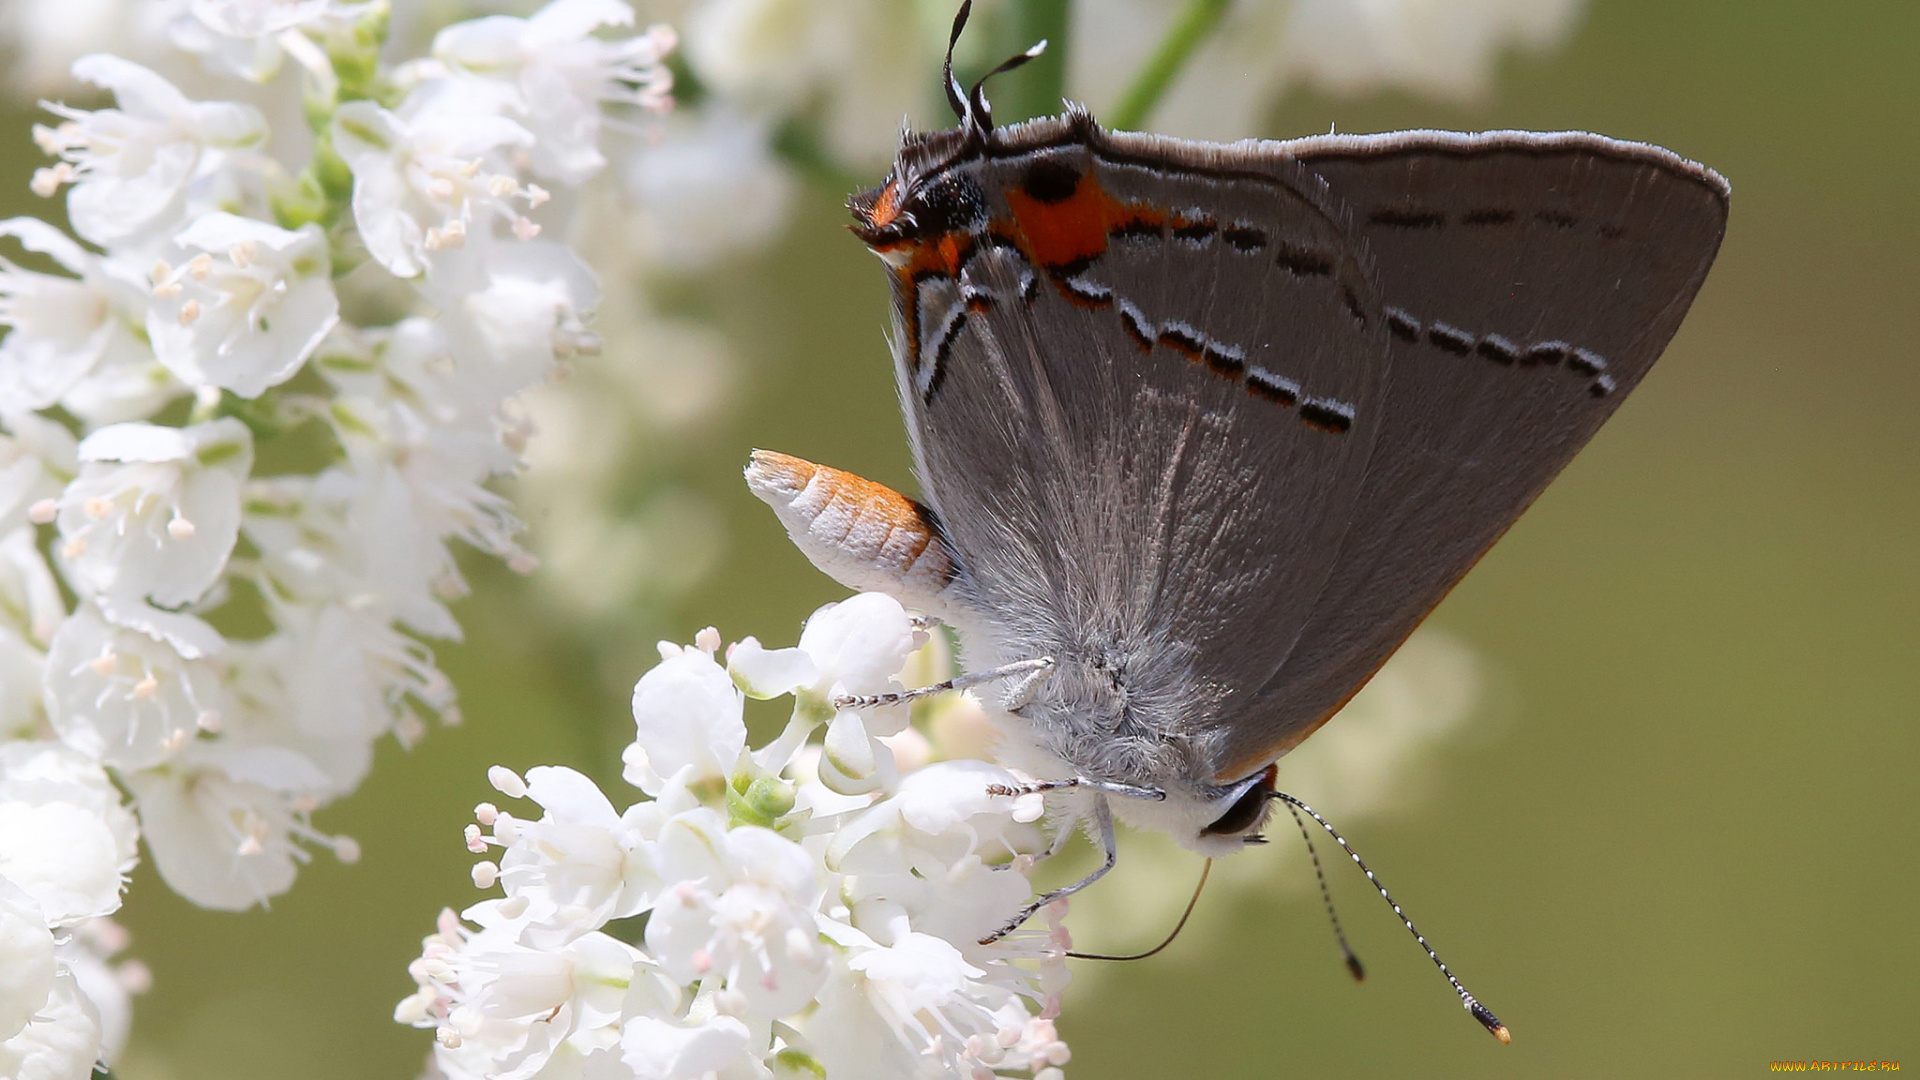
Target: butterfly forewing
{"points": [[1531, 281]]}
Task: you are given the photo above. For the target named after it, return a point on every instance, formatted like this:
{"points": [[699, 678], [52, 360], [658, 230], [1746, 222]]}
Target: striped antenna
{"points": [[1479, 1011], [1353, 962]]}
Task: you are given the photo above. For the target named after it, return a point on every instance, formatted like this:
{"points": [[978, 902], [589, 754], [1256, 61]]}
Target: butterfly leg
{"points": [[1108, 787], [1032, 669], [1103, 821]]}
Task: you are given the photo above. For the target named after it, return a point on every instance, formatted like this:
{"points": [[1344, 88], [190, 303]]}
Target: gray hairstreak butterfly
{"points": [[1204, 431]]}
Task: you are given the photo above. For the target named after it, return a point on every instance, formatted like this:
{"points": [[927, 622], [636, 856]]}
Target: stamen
{"points": [[200, 266], [180, 529], [189, 311], [507, 782]]}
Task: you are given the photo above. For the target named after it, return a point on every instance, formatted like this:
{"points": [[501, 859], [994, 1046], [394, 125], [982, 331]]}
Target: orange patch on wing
{"points": [[1068, 231]]}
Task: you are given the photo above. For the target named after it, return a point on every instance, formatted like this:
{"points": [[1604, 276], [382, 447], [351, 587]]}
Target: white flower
{"points": [[37, 458], [741, 912], [154, 511], [246, 307], [582, 863], [689, 721], [426, 175], [657, 1049], [510, 310], [851, 647], [348, 673], [506, 1008], [932, 852], [132, 168], [61, 1043], [788, 933], [123, 698], [87, 955], [26, 955], [61, 327], [560, 74], [65, 838], [246, 36], [357, 537], [222, 843], [22, 709]]}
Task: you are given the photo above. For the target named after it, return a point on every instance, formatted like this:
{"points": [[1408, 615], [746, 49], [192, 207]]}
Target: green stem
{"points": [[1198, 19], [1038, 87]]}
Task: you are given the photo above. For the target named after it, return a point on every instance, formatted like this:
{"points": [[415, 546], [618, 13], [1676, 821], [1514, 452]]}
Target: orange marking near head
{"points": [[886, 207]]}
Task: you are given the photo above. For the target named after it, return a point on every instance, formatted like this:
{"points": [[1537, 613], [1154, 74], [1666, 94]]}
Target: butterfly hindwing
{"points": [[1142, 401]]}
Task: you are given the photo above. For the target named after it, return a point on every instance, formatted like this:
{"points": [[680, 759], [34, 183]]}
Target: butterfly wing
{"points": [[1143, 424], [1530, 281]]}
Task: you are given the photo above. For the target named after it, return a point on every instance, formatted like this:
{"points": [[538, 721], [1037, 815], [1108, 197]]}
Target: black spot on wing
{"points": [[1050, 180], [1137, 229], [1304, 261], [1223, 358], [1243, 237], [1586, 362], [1407, 217], [1086, 291], [1498, 349], [1196, 231], [1183, 338], [1404, 326], [1450, 338], [1327, 414], [1546, 353], [1273, 387]]}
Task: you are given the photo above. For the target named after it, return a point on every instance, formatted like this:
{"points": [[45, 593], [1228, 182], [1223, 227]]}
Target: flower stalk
{"points": [[1192, 26]]}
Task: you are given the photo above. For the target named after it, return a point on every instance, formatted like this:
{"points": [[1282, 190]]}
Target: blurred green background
{"points": [[1688, 849]]}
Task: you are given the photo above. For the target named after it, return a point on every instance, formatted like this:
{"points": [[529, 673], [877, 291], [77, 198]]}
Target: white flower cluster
{"points": [[247, 492], [808, 910]]}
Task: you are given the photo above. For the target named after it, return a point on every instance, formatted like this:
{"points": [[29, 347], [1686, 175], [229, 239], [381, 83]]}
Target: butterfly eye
{"points": [[1244, 814], [952, 203]]}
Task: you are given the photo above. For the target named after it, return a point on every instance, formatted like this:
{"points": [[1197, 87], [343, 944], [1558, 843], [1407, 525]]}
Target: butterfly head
{"points": [[1210, 819], [925, 194]]}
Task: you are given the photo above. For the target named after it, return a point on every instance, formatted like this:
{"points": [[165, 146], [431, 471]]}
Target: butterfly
{"points": [[1203, 431]]}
